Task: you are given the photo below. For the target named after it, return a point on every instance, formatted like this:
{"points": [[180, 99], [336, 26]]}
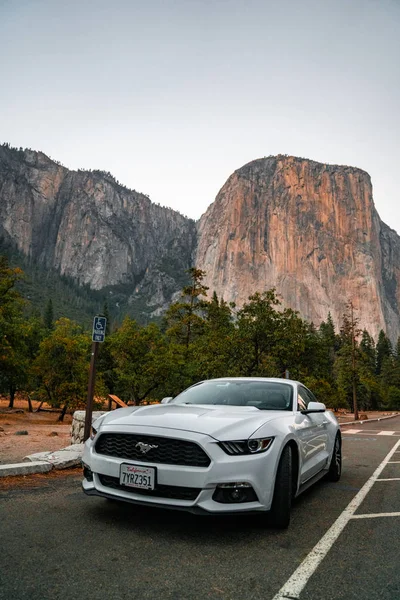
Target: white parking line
{"points": [[352, 431], [375, 515], [392, 479], [296, 583], [366, 429], [370, 432], [394, 462]]}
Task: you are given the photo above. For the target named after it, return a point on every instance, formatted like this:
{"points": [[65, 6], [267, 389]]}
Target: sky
{"points": [[171, 96]]}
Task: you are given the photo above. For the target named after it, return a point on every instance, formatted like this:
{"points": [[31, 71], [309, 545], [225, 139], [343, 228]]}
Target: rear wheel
{"points": [[279, 515], [335, 468]]}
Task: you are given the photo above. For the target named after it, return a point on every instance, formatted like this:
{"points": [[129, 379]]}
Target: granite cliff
{"points": [[89, 227], [308, 229], [311, 231]]}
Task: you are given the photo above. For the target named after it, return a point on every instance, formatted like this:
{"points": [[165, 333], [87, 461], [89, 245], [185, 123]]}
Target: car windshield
{"points": [[264, 395]]}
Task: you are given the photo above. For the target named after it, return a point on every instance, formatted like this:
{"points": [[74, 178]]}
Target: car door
{"points": [[312, 434]]}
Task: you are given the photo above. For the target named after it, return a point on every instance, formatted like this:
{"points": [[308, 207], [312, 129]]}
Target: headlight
{"points": [[251, 446], [93, 432]]}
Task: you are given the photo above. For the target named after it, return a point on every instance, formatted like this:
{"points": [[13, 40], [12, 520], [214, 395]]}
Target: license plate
{"points": [[136, 476]]}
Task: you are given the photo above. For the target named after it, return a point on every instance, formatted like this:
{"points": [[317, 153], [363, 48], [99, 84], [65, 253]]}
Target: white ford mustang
{"points": [[221, 446]]}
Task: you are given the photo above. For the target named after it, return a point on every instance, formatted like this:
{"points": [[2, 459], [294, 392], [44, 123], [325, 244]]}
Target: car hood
{"points": [[220, 422]]}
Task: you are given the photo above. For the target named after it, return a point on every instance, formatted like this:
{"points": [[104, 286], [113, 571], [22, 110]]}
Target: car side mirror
{"points": [[314, 407], [167, 399]]}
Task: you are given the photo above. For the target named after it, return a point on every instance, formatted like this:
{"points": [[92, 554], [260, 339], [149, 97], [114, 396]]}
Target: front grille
{"points": [[167, 451], [161, 491]]}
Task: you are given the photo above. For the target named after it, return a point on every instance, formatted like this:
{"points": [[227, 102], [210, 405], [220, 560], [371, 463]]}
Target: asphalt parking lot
{"points": [[57, 543]]}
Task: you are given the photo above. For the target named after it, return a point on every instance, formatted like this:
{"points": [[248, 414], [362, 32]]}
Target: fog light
{"points": [[238, 495], [234, 493]]}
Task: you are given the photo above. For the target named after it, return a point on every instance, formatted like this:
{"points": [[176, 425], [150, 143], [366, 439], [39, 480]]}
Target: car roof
{"points": [[266, 379]]}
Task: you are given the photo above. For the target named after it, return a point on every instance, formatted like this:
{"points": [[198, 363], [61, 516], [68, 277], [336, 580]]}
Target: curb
{"points": [[43, 462], [370, 420], [25, 468]]}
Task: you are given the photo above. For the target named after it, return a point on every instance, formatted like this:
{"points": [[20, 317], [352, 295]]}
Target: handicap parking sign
{"points": [[99, 329]]}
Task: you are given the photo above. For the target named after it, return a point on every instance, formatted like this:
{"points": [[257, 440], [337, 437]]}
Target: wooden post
{"points": [[89, 403]]}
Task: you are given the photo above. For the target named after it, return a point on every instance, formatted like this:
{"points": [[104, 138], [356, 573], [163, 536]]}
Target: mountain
{"points": [[91, 229], [308, 229], [312, 231]]}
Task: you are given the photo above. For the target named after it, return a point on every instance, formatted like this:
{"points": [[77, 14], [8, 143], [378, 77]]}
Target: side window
{"points": [[306, 395], [302, 399], [311, 396]]}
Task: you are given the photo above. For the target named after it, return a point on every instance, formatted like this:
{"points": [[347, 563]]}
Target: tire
{"points": [[335, 468], [279, 515]]}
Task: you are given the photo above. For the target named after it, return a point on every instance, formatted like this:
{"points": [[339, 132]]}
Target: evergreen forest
{"points": [[45, 348]]}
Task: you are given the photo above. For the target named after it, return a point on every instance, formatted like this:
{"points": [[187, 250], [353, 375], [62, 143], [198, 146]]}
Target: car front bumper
{"points": [[257, 470]]}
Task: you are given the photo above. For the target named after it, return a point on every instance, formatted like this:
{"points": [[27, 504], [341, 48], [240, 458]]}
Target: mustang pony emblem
{"points": [[144, 448]]}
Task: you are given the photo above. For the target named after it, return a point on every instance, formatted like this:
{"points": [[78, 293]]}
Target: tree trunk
{"points": [[48, 394], [30, 404], [63, 412], [40, 406], [12, 396]]}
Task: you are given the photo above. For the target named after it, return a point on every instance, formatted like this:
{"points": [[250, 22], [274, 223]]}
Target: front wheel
{"points": [[335, 468], [279, 515]]}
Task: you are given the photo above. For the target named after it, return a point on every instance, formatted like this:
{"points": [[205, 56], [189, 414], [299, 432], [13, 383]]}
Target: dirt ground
{"points": [[45, 433]]}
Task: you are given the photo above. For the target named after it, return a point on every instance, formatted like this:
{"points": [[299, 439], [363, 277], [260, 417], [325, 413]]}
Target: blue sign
{"points": [[99, 329]]}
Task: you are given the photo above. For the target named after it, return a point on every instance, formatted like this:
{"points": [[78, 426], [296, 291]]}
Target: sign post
{"points": [[98, 336]]}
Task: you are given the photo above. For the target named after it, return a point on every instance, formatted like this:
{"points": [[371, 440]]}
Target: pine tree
{"points": [[383, 350], [258, 331], [368, 351], [369, 388], [13, 353], [212, 352], [185, 318], [328, 344], [347, 364], [48, 316]]}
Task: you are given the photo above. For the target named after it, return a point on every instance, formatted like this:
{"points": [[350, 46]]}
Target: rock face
{"points": [[308, 229], [89, 227], [311, 231]]}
